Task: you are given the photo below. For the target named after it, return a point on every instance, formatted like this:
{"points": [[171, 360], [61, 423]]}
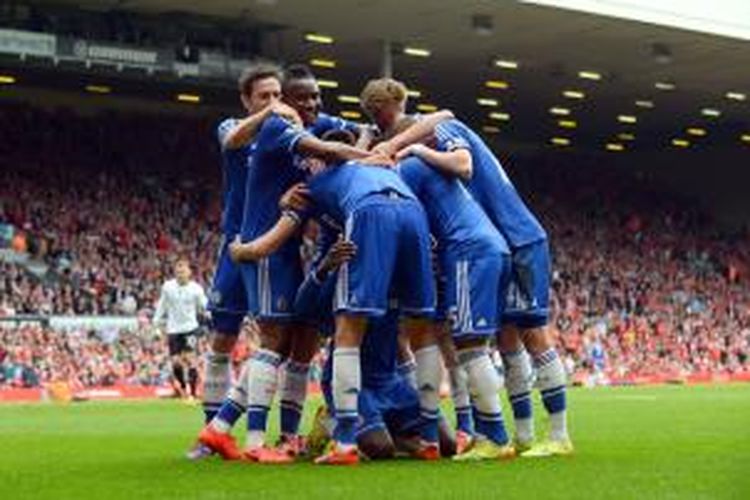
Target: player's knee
{"points": [[350, 330], [420, 332], [509, 339], [537, 340], [275, 339], [304, 344], [376, 445], [470, 343]]}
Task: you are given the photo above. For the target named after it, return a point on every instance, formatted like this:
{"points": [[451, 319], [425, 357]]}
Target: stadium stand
{"points": [[643, 283]]}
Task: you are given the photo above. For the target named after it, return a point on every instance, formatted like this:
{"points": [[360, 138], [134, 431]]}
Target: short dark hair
{"points": [[258, 70], [297, 72], [339, 135]]}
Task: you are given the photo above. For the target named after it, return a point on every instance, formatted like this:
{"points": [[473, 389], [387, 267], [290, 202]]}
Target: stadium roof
{"points": [[551, 47]]}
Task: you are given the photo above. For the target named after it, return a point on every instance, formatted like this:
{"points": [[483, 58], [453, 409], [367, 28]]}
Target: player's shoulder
{"points": [[326, 122], [169, 284], [452, 134], [225, 125], [272, 128]]}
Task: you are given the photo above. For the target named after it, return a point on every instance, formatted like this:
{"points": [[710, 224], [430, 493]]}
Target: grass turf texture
{"points": [[657, 442]]}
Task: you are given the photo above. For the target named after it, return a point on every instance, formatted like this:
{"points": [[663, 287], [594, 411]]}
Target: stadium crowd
{"points": [[32, 355], [641, 284]]}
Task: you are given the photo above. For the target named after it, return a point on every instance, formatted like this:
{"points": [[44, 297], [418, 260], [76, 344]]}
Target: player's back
{"points": [[491, 187], [235, 166], [456, 219], [338, 190]]}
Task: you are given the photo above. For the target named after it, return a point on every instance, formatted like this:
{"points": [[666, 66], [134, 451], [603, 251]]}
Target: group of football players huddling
{"points": [[426, 259]]}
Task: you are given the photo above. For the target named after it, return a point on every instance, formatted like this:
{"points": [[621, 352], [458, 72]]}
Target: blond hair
{"points": [[380, 92]]}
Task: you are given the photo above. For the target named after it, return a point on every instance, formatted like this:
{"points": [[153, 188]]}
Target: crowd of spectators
{"points": [[107, 202], [32, 355], [643, 282]]}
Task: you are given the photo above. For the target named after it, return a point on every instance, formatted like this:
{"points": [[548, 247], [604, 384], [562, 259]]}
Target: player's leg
{"points": [[475, 282], [373, 436], [518, 382], [324, 422], [294, 388], [276, 281], [188, 360], [551, 380], [407, 366], [175, 345], [217, 371], [262, 380], [346, 385], [414, 284], [228, 306], [362, 290], [459, 387], [530, 313]]}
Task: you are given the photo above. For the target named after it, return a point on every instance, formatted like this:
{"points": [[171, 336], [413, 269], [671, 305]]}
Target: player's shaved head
{"points": [[296, 72], [300, 91], [381, 93]]}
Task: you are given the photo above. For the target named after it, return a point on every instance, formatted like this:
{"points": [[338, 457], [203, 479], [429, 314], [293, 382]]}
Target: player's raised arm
{"points": [[329, 151], [456, 163], [419, 131], [244, 131]]}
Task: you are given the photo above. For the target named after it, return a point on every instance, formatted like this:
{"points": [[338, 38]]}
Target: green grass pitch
{"points": [[657, 442]]}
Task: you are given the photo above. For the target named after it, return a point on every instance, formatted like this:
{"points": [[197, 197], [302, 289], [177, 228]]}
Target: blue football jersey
{"points": [[338, 190], [457, 222], [235, 165], [491, 187], [274, 169]]}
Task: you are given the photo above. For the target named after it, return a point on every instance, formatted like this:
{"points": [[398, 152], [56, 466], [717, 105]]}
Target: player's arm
{"points": [[310, 296], [245, 130], [367, 136], [329, 151], [419, 131], [268, 242], [456, 163]]}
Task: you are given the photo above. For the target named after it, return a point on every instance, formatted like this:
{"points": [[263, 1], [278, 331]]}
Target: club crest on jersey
{"points": [[215, 297]]}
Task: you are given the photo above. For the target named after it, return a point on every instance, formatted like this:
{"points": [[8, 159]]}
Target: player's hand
{"points": [[410, 150], [378, 159], [296, 198], [367, 135], [385, 148], [341, 251], [286, 112], [242, 252]]}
